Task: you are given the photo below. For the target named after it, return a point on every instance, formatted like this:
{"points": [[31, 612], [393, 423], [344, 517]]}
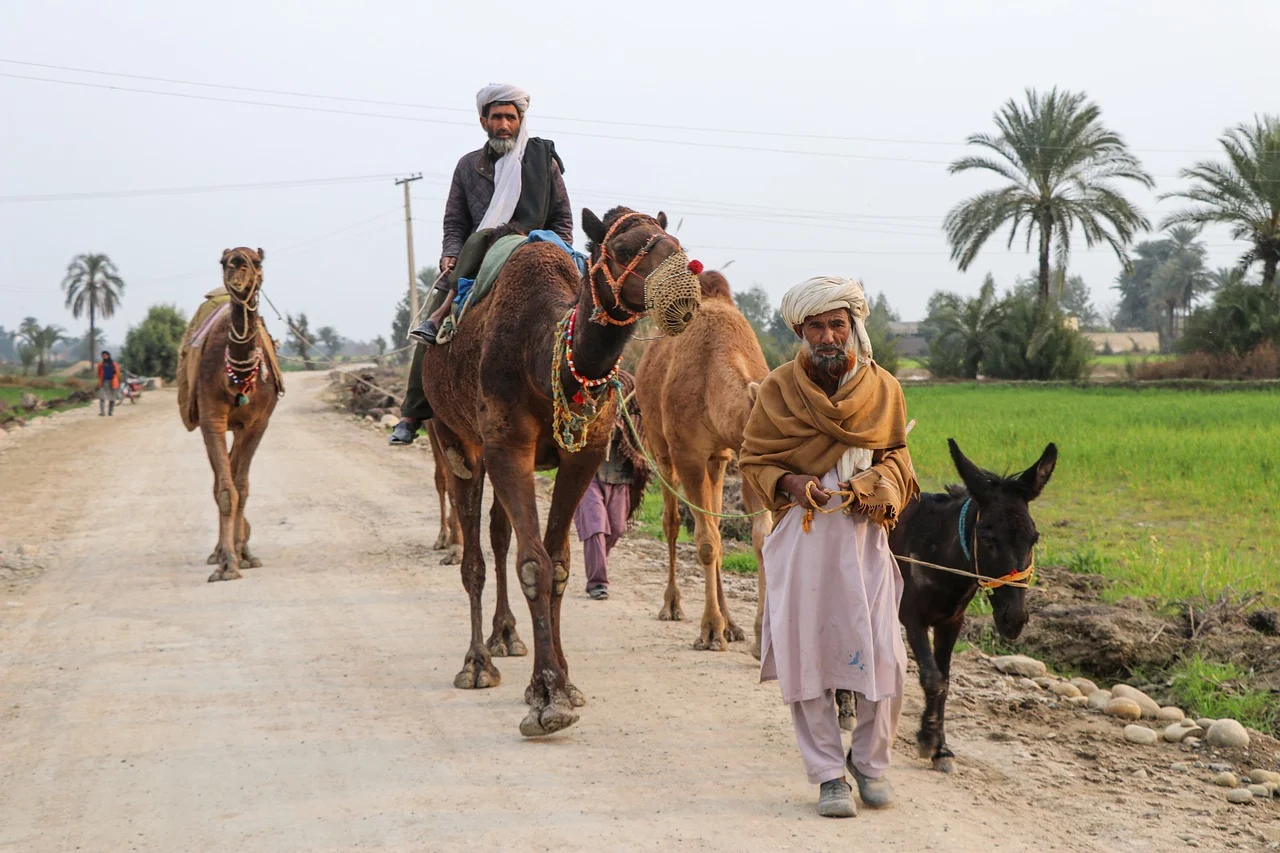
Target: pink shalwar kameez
{"points": [[831, 622]]}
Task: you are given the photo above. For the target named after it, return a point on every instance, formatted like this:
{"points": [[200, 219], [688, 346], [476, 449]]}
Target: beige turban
{"points": [[827, 293]]}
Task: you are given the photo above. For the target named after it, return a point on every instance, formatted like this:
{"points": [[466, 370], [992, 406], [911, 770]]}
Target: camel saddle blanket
{"points": [[217, 305]]}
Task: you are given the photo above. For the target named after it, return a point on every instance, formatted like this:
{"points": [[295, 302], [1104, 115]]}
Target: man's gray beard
{"points": [[502, 146], [830, 364]]}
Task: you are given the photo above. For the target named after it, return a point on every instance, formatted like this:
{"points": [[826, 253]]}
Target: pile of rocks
{"points": [[1126, 703]]}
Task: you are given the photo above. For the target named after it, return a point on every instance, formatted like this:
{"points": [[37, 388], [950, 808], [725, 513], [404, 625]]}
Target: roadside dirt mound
{"points": [[372, 391]]}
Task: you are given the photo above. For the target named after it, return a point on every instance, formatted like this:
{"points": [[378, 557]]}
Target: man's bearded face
{"points": [[828, 344], [502, 124]]}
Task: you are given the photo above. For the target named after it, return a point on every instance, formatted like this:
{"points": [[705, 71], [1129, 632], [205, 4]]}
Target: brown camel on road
{"points": [[494, 393], [232, 385], [449, 539], [696, 392]]}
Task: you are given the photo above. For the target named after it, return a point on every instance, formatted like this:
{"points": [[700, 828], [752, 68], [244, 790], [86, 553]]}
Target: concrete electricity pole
{"points": [[408, 230]]}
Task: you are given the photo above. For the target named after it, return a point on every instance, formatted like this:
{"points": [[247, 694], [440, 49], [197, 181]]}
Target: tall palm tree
{"points": [[92, 282], [1061, 165], [1243, 193], [1227, 277]]}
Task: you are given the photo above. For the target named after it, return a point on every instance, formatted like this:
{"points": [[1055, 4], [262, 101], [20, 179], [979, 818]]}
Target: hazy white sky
{"points": [[909, 79]]}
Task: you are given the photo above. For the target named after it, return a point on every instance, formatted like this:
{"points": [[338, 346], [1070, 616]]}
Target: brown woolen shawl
{"points": [[795, 428]]}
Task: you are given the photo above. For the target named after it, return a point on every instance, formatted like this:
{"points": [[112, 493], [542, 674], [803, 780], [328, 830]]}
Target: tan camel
{"points": [[526, 385], [229, 380], [696, 392]]}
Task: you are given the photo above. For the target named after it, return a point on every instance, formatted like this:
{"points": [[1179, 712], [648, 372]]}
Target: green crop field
{"points": [[1163, 490]]}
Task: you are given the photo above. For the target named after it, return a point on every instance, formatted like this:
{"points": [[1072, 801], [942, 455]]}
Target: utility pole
{"points": [[408, 230]]}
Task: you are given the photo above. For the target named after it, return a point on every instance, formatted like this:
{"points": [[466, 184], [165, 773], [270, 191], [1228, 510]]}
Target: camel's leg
{"points": [[243, 447], [449, 539], [224, 494], [706, 536], [715, 470], [761, 527], [477, 669], [504, 641], [510, 461], [572, 478], [671, 610]]}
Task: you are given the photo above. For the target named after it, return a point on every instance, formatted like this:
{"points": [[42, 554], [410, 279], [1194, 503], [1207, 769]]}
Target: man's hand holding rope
{"points": [[805, 489]]}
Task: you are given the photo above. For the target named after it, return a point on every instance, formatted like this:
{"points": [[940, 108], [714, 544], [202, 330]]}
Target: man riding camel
{"points": [[514, 179], [827, 443]]}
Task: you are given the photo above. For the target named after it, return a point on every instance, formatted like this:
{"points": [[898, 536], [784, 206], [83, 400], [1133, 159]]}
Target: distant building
{"points": [[1124, 342]]}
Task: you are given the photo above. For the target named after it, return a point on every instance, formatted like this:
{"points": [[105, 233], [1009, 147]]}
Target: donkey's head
{"points": [[1005, 532], [637, 268], [242, 271]]}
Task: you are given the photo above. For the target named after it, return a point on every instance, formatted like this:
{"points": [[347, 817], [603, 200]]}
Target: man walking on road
{"points": [[831, 424], [108, 385]]}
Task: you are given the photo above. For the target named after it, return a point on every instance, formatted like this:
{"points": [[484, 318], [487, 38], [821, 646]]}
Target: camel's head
{"points": [[242, 271], [637, 268]]}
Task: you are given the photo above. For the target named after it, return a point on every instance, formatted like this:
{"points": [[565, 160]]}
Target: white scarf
{"points": [[507, 171]]}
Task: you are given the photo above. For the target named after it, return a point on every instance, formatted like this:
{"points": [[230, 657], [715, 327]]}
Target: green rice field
{"points": [[1167, 492]]}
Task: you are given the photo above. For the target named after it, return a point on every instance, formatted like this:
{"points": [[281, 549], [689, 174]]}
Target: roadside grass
{"points": [[1219, 690]]}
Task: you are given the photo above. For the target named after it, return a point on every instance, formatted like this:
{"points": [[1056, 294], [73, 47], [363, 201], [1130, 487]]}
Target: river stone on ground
{"points": [[1085, 686], [1226, 779], [1150, 707], [1140, 735], [1020, 665], [1170, 714], [1125, 709], [1065, 690], [1262, 777], [1098, 700], [1240, 796], [1227, 733]]}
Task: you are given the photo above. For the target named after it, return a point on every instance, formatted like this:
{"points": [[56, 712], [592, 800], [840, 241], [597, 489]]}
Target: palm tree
{"points": [[1227, 277], [1060, 163], [1182, 278], [41, 339], [1243, 193], [92, 282], [300, 338], [960, 330]]}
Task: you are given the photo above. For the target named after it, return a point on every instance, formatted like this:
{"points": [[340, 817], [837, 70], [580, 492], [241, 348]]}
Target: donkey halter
{"points": [[1018, 578], [601, 314]]}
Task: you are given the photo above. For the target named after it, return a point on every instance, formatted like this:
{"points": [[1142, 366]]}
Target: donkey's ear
{"points": [[262, 256], [592, 226], [662, 220], [1037, 476], [975, 480], [226, 253]]}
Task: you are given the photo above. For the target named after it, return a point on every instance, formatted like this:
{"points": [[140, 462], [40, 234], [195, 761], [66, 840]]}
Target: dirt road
{"points": [[310, 706]]}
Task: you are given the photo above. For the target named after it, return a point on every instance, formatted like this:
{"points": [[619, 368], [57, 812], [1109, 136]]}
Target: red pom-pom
{"points": [[695, 267], [578, 399]]}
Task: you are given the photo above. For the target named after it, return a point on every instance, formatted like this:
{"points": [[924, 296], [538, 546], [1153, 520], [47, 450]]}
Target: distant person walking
{"points": [[108, 385]]}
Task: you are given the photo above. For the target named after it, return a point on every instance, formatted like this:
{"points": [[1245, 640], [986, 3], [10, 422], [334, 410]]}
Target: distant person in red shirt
{"points": [[108, 385]]}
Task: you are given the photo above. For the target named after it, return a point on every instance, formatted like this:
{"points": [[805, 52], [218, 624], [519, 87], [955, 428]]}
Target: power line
{"points": [[597, 121], [265, 185]]}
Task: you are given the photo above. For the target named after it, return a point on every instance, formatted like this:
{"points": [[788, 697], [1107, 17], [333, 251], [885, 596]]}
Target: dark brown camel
{"points": [[234, 388], [492, 390]]}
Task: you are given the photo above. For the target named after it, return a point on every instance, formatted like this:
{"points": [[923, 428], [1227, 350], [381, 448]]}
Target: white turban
{"points": [[507, 181], [827, 293]]}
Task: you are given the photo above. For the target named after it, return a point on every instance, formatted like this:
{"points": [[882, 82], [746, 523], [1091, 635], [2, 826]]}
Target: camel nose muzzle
{"points": [[672, 294]]}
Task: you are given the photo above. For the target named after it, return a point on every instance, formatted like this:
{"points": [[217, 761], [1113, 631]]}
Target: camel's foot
{"points": [[442, 541], [504, 642], [733, 633], [478, 672], [711, 638], [755, 648], [452, 556], [671, 611], [944, 763], [576, 697], [215, 558], [248, 560], [225, 573], [551, 710]]}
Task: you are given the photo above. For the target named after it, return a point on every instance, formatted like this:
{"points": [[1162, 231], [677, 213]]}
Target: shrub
{"points": [[151, 347], [1031, 341]]}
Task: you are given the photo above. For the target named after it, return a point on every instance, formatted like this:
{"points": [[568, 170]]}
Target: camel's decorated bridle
{"points": [[243, 373], [671, 296]]}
